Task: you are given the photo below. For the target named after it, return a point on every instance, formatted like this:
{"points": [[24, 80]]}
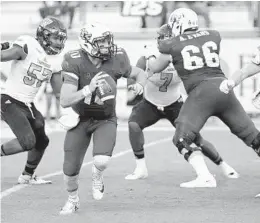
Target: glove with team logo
{"points": [[137, 88], [226, 86], [70, 120]]}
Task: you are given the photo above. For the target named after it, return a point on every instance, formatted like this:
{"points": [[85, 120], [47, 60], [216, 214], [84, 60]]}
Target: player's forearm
{"points": [[10, 54], [247, 71], [67, 99], [139, 75]]}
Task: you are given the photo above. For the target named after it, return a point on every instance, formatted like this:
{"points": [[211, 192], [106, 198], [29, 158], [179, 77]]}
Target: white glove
{"points": [[226, 86], [256, 100], [137, 88], [69, 121]]}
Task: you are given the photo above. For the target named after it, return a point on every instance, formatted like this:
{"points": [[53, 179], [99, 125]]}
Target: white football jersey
{"points": [[164, 88], [26, 76]]}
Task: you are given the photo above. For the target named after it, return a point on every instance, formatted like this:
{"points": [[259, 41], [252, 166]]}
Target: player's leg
{"points": [[209, 150], [16, 117], [104, 139], [240, 124], [35, 155], [75, 146], [192, 117], [143, 115]]}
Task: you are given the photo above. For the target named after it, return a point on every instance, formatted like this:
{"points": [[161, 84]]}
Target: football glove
{"points": [[137, 88], [226, 86], [5, 45]]}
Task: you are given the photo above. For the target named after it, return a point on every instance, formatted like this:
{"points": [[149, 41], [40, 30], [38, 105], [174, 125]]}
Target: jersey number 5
{"points": [[209, 57], [34, 72]]}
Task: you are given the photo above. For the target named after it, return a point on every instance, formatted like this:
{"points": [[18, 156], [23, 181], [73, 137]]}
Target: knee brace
{"points": [[71, 182], [101, 162], [184, 147], [256, 144]]}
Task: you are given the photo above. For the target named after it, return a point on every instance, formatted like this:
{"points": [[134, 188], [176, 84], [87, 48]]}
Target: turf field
{"points": [[156, 199]]}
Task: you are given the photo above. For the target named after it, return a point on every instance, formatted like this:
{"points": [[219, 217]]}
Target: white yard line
{"points": [[17, 188]]}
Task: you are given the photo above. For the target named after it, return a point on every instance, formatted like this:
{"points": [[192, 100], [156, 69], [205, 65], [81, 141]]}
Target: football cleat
{"points": [[97, 184], [71, 206], [229, 171], [207, 181], [33, 180], [139, 173]]}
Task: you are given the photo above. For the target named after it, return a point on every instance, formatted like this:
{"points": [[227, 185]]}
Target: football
{"points": [[108, 86]]}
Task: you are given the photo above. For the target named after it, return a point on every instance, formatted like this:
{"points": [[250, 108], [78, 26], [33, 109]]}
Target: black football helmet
{"points": [[51, 28]]}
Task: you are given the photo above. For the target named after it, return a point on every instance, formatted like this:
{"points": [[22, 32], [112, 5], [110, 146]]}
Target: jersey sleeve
{"points": [[141, 63], [69, 72], [125, 65], [256, 56]]}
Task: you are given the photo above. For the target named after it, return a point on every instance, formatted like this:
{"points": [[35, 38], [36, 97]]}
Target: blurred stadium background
{"points": [[159, 198], [134, 24]]}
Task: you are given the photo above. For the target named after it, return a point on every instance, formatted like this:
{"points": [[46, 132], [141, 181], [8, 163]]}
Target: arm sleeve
{"points": [[69, 72], [125, 65]]}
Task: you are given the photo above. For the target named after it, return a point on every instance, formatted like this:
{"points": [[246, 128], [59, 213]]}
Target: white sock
{"points": [[140, 163], [196, 160], [74, 195]]}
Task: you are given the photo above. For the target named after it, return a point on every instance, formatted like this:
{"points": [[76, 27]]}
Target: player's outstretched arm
{"points": [[14, 53], [159, 63], [141, 77], [247, 71]]}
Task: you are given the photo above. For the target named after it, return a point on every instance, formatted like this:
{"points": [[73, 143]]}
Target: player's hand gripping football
{"points": [[226, 86], [137, 88], [94, 83]]}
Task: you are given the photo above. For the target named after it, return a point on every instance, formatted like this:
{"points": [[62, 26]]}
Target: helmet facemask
{"points": [[52, 36], [101, 47]]}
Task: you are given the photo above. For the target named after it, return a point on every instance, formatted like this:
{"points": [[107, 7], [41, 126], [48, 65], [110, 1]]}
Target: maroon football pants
{"points": [[77, 141]]}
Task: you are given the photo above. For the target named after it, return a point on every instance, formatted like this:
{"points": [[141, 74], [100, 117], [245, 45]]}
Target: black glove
{"points": [[5, 45]]}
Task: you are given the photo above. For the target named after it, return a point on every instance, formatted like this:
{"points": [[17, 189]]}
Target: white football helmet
{"points": [[97, 40], [182, 19]]}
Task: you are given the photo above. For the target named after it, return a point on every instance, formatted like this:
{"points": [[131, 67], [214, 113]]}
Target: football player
{"points": [[247, 71], [195, 56], [89, 76], [31, 66], [162, 99]]}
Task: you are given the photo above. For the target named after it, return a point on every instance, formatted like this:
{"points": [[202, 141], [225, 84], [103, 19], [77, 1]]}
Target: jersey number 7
{"points": [[208, 57]]}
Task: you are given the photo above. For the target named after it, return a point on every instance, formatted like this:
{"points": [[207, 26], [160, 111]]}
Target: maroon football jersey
{"points": [[195, 56], [79, 70]]}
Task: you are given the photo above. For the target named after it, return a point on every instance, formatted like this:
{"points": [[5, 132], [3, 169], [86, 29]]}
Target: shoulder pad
{"points": [[70, 61]]}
